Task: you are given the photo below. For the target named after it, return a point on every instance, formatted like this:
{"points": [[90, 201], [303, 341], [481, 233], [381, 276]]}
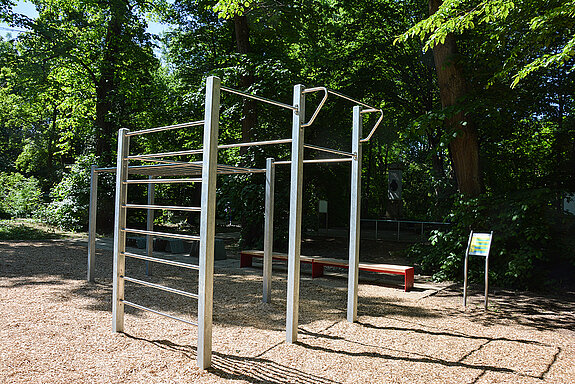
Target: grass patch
{"points": [[29, 229]]}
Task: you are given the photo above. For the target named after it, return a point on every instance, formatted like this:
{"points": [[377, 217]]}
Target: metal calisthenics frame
{"points": [[209, 169]]}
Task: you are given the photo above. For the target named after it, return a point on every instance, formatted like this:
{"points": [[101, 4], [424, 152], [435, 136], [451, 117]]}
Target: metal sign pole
{"points": [[465, 270], [479, 244], [487, 269]]}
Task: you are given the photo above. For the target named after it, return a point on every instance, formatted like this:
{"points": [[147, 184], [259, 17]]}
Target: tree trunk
{"points": [[464, 148], [52, 142], [106, 84], [249, 115]]}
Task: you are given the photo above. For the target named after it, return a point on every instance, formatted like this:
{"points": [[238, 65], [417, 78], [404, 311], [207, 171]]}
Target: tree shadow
{"points": [[535, 310], [423, 358], [451, 334]]}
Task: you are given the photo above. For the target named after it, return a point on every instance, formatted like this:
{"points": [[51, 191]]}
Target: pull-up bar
{"points": [[259, 98], [370, 109]]}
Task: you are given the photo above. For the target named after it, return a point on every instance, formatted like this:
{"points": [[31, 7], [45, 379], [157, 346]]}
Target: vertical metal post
{"points": [[296, 189], [119, 233], [150, 225], [487, 270], [354, 218], [92, 223], [375, 229], [486, 279], [465, 270], [398, 224], [268, 230], [208, 222]]}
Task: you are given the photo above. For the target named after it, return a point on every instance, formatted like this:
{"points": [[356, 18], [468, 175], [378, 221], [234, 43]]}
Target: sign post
{"points": [[323, 209], [479, 244]]}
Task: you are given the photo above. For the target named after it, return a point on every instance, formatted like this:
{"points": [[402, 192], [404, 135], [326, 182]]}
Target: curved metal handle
{"points": [[319, 107], [375, 125], [369, 109]]}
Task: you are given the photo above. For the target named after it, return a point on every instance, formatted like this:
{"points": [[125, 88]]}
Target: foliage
{"points": [[522, 239], [547, 38], [26, 230], [20, 196], [84, 69], [70, 203]]}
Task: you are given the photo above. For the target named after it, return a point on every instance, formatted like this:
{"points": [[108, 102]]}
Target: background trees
{"points": [[477, 96]]}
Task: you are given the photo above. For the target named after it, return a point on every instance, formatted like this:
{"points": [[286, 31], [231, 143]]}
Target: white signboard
{"points": [[322, 206]]}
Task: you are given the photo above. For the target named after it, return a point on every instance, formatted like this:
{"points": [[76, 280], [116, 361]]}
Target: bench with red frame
{"points": [[318, 263]]}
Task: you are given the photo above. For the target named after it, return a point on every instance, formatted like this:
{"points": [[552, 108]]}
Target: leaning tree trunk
{"points": [[249, 115], [251, 231], [464, 148]]}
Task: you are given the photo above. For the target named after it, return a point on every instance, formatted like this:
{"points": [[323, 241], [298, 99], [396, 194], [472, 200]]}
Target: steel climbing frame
{"points": [[293, 274], [92, 222], [354, 217], [208, 222], [210, 169], [206, 238], [119, 232], [268, 230], [296, 197]]}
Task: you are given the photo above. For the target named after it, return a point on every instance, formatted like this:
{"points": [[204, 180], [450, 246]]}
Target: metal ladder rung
{"points": [[137, 306], [165, 128], [166, 207], [161, 287], [161, 234], [163, 181], [162, 261], [166, 154]]}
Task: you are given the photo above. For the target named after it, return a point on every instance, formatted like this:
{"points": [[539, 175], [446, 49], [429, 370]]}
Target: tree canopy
{"points": [[477, 98]]}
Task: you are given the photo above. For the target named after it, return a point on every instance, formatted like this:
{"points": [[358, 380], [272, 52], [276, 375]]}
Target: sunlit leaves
{"points": [[550, 29]]}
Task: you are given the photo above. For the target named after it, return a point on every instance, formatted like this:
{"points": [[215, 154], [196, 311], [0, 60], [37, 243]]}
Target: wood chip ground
{"points": [[55, 327]]}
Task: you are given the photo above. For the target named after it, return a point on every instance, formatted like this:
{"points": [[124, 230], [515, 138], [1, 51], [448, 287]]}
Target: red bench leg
{"points": [[245, 260], [316, 270], [409, 276]]}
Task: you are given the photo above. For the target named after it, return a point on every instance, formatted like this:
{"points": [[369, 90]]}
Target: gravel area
{"points": [[56, 328]]}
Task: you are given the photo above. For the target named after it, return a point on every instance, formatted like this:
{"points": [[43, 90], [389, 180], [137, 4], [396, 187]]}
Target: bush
{"points": [[19, 195], [70, 203], [522, 239]]}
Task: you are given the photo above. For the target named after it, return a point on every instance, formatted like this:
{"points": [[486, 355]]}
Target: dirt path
{"points": [[56, 328]]}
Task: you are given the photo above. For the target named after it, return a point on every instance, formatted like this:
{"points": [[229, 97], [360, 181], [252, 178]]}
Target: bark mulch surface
{"points": [[55, 327]]}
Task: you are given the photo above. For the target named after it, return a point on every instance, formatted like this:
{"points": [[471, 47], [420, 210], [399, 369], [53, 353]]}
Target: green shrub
{"points": [[19, 195], [70, 203], [522, 239]]}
